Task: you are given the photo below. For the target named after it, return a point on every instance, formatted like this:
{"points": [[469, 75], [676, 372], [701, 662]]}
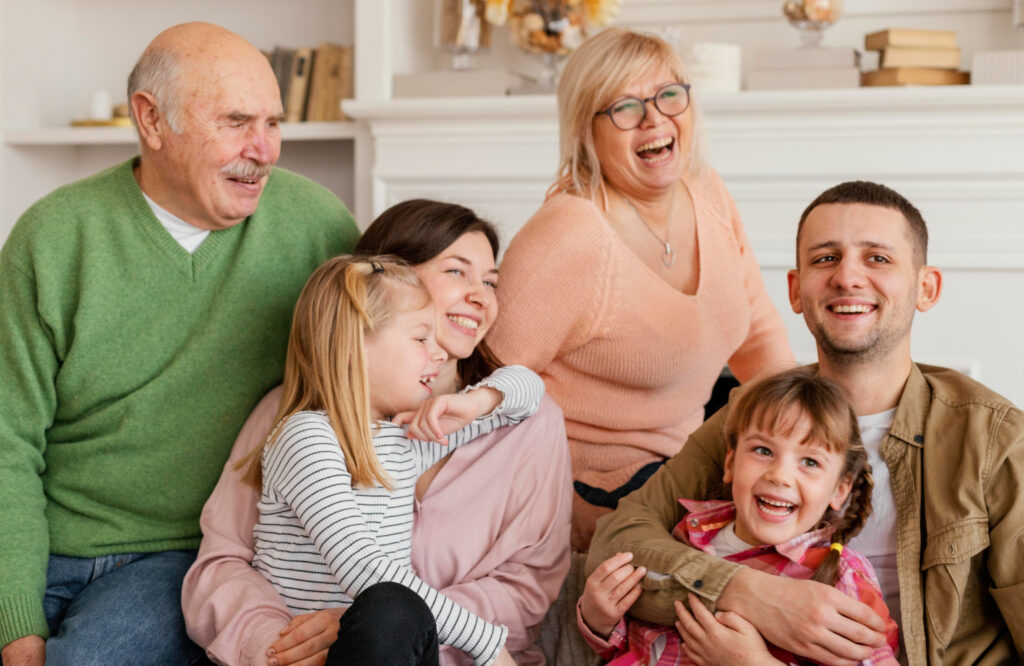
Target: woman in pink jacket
{"points": [[492, 519]]}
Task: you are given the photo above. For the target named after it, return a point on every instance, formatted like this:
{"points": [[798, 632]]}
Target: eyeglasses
{"points": [[629, 112]]}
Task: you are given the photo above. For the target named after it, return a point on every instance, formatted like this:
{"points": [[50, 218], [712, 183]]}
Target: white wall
{"points": [[55, 53]]}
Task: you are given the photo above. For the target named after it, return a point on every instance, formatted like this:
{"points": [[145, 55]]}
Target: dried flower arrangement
{"points": [[550, 26]]}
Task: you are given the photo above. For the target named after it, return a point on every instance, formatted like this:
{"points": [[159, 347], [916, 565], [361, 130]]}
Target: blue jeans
{"points": [[118, 609]]}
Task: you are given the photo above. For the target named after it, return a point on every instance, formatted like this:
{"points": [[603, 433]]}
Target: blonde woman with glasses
{"points": [[634, 284]]}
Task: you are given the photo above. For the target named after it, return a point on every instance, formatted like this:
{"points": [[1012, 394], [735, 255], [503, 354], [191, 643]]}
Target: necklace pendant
{"points": [[668, 257]]}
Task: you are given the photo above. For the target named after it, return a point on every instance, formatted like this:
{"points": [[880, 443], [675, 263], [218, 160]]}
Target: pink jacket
{"points": [[491, 532]]}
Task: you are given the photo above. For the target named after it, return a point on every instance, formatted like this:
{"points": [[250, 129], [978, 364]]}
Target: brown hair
{"points": [[873, 194], [593, 77], [418, 230], [344, 301], [766, 404]]}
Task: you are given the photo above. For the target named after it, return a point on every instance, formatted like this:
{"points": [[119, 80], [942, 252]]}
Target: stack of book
{"points": [[915, 57], [313, 81], [808, 67]]}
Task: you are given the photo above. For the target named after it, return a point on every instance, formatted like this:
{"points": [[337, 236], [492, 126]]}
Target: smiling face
{"points": [[403, 357], [213, 172], [782, 485], [652, 157], [462, 281], [858, 282]]}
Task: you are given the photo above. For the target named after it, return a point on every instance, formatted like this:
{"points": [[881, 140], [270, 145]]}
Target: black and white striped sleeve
{"points": [[306, 468], [521, 390]]}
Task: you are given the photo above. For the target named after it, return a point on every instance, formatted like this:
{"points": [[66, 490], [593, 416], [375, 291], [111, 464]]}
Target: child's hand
{"points": [[609, 592], [722, 639], [444, 414]]}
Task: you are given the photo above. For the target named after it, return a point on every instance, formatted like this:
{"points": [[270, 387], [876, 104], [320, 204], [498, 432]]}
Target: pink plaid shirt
{"points": [[632, 643]]}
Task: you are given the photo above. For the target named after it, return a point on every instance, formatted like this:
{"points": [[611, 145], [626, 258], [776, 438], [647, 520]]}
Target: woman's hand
{"points": [[609, 593], [442, 415], [722, 639], [306, 639]]}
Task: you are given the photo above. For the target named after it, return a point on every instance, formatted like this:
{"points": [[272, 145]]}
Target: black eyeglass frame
{"points": [[643, 104]]}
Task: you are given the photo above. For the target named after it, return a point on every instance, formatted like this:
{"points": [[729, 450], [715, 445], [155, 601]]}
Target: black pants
{"points": [[388, 625]]}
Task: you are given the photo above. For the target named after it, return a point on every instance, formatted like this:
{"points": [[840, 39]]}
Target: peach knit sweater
{"points": [[630, 359]]}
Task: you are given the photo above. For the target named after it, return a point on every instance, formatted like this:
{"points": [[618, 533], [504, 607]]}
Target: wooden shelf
{"points": [[97, 136]]}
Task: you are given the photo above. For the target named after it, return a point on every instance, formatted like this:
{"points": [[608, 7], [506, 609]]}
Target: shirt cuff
{"points": [[606, 648]]}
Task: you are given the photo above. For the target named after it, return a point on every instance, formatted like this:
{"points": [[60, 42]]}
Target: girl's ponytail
{"points": [[345, 300], [858, 508]]}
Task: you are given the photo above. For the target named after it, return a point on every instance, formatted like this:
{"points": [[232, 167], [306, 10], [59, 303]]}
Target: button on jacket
{"points": [[955, 454]]}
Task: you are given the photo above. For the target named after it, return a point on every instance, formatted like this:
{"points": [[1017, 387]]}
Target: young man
{"points": [[948, 458], [145, 311]]}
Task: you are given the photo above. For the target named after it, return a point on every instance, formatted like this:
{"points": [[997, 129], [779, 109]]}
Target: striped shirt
{"points": [[321, 542]]}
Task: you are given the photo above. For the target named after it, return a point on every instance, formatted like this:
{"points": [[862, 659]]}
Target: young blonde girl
{"points": [[801, 488], [337, 472]]}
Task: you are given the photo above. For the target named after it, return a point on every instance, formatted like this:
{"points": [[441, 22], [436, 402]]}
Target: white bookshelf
{"points": [[98, 136], [54, 54]]}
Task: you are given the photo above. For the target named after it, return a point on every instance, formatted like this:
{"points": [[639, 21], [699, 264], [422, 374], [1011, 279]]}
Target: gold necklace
{"points": [[668, 257]]}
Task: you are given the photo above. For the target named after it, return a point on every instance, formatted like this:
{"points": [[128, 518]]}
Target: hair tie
{"points": [[838, 547], [377, 267]]}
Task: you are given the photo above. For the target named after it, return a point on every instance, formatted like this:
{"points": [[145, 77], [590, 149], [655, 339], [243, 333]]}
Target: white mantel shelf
{"points": [[98, 136], [956, 146], [928, 105]]}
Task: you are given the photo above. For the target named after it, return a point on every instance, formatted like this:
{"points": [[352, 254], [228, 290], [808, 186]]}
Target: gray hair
{"points": [[158, 73]]}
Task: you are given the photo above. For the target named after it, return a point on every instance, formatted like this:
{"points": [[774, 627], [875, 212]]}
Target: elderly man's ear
{"points": [[147, 118]]}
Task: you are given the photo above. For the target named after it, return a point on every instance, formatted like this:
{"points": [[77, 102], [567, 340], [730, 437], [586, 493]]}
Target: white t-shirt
{"points": [[188, 236], [877, 540], [726, 542]]}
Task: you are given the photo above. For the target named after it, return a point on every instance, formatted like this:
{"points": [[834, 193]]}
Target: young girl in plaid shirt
{"points": [[795, 461]]}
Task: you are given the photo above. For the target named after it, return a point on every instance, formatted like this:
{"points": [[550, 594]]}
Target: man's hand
{"points": [[25, 651], [306, 639], [723, 639], [807, 618], [609, 592]]}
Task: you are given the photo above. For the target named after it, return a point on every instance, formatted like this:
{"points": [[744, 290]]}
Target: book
{"points": [[791, 79], [908, 56], [911, 76], [455, 83], [993, 68], [330, 82], [281, 62], [877, 41], [818, 57], [298, 87]]}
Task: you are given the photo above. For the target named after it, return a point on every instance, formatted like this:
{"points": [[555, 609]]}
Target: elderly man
{"points": [[145, 311], [947, 530]]}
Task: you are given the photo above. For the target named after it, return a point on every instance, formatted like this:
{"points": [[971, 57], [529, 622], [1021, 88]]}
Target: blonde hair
{"points": [[594, 77], [767, 404], [344, 301]]}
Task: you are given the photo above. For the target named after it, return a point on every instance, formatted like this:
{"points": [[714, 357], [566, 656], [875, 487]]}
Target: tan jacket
{"points": [[955, 454]]}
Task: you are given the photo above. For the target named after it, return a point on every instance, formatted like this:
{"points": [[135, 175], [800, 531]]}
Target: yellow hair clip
{"points": [[838, 547]]}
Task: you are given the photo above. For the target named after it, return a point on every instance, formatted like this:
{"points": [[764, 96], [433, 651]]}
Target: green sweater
{"points": [[127, 366]]}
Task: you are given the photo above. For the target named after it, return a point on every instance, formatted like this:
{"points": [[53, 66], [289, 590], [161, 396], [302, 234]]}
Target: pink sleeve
{"points": [[492, 530], [608, 648], [766, 345], [555, 280], [230, 608]]}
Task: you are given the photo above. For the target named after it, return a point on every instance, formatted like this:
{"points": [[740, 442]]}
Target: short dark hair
{"points": [[418, 230], [873, 194]]}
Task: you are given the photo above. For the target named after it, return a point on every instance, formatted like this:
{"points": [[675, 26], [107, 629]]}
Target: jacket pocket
{"points": [[951, 584]]}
